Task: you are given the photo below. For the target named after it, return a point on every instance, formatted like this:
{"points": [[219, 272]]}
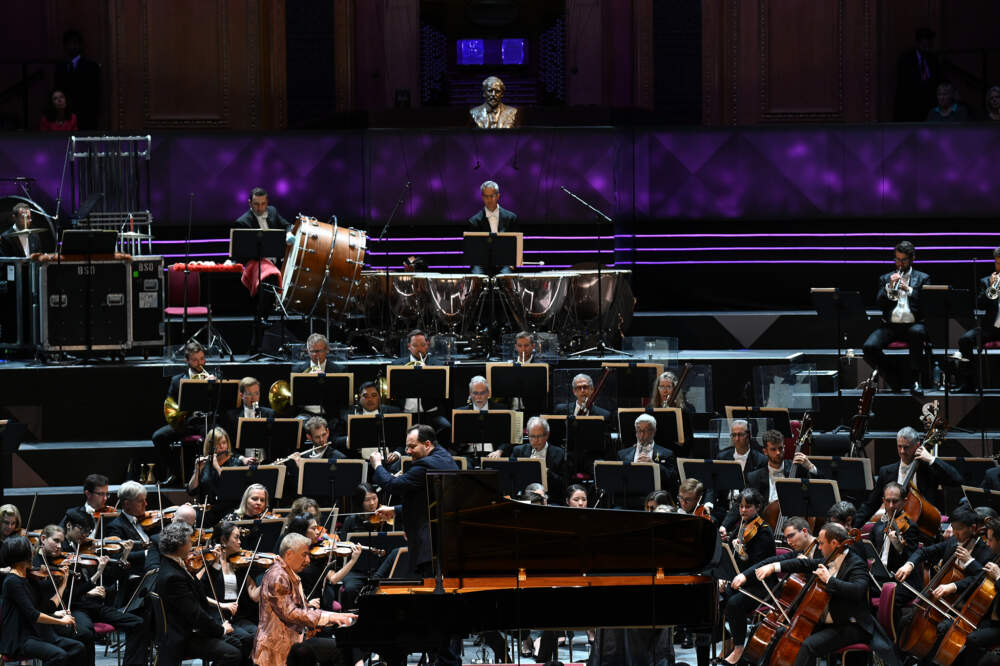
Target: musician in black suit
{"points": [[583, 388], [492, 218], [987, 633], [898, 297], [744, 452], [987, 300], [992, 479], [893, 548], [132, 496], [647, 450], [194, 356], [430, 412], [262, 215], [318, 348], [250, 407], [369, 403], [848, 619], [930, 473], [20, 245], [411, 488], [762, 478], [538, 446], [191, 630]]}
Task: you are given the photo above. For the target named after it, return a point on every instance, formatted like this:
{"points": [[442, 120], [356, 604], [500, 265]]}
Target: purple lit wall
{"points": [[769, 173]]}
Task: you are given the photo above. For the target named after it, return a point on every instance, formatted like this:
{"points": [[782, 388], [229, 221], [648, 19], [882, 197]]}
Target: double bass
{"points": [[860, 423], [973, 607], [917, 511]]}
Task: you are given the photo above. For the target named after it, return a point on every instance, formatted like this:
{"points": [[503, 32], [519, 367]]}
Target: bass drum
{"points": [[322, 267]]}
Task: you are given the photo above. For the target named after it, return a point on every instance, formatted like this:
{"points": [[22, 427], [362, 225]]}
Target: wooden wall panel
{"points": [[193, 64], [788, 61]]}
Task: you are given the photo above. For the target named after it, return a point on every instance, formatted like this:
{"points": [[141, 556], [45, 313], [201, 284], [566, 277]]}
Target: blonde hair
{"points": [[242, 511], [11, 510], [657, 400], [213, 435]]}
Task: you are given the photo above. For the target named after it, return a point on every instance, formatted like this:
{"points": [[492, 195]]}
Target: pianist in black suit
{"points": [[647, 450], [250, 407]]}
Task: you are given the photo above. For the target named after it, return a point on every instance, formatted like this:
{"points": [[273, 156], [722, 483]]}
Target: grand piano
{"points": [[506, 565]]}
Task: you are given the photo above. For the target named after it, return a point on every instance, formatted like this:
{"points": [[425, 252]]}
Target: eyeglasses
{"points": [[100, 494], [738, 434]]}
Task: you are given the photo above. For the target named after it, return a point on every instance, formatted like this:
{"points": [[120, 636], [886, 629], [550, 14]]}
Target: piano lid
{"points": [[475, 532]]}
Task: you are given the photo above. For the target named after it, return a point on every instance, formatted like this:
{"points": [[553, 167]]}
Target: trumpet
{"points": [[894, 289], [993, 290]]}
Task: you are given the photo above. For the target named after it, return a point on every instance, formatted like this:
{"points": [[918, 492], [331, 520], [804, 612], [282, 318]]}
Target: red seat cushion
{"points": [[197, 311], [992, 345], [193, 439], [101, 628], [899, 345]]}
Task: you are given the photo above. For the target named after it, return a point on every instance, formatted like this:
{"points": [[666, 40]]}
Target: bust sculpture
{"points": [[494, 114]]}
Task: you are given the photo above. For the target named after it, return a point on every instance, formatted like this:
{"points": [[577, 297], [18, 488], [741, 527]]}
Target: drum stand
{"points": [[213, 338], [601, 348]]}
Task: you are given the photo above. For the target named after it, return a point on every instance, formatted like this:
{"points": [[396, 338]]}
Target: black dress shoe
{"points": [[169, 481], [916, 389]]}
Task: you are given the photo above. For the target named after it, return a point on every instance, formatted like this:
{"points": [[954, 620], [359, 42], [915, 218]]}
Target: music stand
{"points": [[840, 305], [719, 475], [973, 470], [323, 478], [362, 429], [632, 480], [492, 251], [387, 541], [580, 436], [981, 497], [246, 244], [401, 563], [669, 425], [260, 433], [332, 392], [516, 473], [266, 531], [849, 473], [941, 301], [780, 419], [494, 426], [234, 480], [518, 380], [808, 498], [426, 383], [207, 395], [633, 380], [11, 435]]}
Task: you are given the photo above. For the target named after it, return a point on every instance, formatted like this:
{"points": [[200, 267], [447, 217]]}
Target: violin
{"points": [[702, 511], [110, 546], [201, 535], [71, 560], [199, 557], [42, 573], [341, 549], [746, 534], [246, 558]]}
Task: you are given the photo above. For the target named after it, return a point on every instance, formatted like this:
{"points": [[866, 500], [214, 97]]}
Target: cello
{"points": [[778, 638], [920, 637], [976, 604]]}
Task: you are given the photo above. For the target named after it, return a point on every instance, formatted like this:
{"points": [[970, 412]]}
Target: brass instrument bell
{"points": [[280, 395], [173, 415]]}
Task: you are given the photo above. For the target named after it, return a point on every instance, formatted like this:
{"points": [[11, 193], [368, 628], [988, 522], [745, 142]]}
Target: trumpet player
{"points": [[194, 356], [989, 327], [902, 320]]}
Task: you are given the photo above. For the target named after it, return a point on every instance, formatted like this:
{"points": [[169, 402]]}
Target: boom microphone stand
{"points": [[388, 304], [601, 347]]}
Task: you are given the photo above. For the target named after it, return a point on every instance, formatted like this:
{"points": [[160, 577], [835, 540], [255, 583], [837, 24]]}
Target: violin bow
{"points": [[249, 569], [159, 502], [211, 586], [55, 588], [27, 525], [72, 583]]}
